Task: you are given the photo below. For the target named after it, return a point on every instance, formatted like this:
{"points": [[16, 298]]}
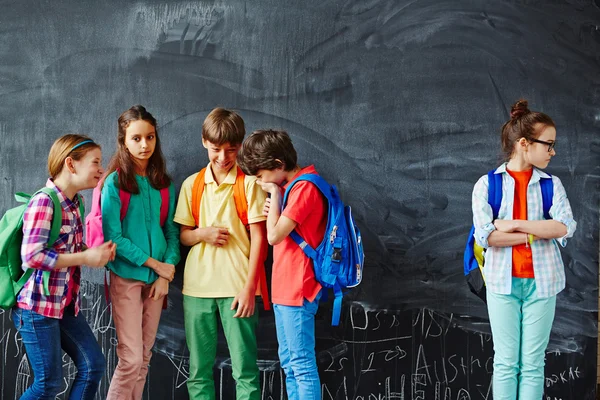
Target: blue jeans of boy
{"points": [[44, 338], [296, 336], [521, 324]]}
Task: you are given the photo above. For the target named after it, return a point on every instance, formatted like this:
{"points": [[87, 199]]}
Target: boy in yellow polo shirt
{"points": [[221, 270]]}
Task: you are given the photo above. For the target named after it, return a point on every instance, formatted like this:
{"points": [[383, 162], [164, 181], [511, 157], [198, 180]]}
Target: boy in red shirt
{"points": [[271, 157]]}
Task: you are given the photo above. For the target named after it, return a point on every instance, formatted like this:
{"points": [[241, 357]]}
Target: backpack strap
{"points": [[324, 188], [54, 234], [239, 196], [56, 216], [337, 304], [81, 209], [197, 191], [164, 205], [316, 180], [125, 198], [495, 192], [547, 187]]}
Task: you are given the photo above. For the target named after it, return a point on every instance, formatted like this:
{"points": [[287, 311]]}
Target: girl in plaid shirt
{"points": [[523, 267], [47, 316]]}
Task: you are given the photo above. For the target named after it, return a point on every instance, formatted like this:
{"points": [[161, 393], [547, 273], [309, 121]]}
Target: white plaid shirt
{"points": [[548, 267]]}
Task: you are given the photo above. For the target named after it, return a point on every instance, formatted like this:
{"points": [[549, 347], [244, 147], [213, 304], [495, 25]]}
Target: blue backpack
{"points": [[474, 256], [339, 259]]}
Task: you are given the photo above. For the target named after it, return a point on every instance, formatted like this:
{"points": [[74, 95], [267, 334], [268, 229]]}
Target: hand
{"points": [[266, 207], [101, 255], [245, 302], [216, 236], [159, 289], [166, 271], [268, 187], [505, 225]]}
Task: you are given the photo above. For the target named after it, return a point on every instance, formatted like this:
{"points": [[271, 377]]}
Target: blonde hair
{"points": [[63, 147]]}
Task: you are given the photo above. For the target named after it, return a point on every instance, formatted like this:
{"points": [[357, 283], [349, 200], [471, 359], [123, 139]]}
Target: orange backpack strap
{"points": [[239, 196], [197, 191], [241, 206]]}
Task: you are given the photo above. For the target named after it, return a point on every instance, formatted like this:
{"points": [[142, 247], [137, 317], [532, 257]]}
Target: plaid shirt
{"points": [[548, 266], [35, 254]]}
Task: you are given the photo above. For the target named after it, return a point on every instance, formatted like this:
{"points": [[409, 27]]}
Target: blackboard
{"points": [[399, 103]]}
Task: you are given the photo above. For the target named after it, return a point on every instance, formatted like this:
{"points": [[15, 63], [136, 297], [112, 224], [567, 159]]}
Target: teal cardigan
{"points": [[139, 236]]}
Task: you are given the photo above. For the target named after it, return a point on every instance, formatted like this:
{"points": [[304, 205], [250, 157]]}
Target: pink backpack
{"points": [[93, 222]]}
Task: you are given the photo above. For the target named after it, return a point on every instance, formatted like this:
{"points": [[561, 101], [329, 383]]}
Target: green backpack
{"points": [[12, 277]]}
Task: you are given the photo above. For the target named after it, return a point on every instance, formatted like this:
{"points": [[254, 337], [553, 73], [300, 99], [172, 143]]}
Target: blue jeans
{"points": [[44, 337], [296, 336], [521, 324]]}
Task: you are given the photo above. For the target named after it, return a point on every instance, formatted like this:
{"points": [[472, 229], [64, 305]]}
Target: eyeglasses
{"points": [[549, 144]]}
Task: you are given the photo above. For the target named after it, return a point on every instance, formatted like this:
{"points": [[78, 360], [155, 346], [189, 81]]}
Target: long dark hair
{"points": [[123, 161]]}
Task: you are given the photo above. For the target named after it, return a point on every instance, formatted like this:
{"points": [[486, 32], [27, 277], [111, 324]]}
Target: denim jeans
{"points": [[295, 327], [521, 323], [44, 337]]}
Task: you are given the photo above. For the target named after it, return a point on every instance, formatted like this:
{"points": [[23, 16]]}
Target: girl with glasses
{"points": [[523, 267]]}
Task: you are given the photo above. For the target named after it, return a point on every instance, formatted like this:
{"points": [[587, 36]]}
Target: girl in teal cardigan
{"points": [[147, 251]]}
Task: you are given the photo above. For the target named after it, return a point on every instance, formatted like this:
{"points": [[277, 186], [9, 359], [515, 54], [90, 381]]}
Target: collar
{"points": [[536, 175], [229, 179], [65, 202]]}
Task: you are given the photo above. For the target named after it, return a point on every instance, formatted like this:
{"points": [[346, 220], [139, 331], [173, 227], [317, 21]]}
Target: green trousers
{"points": [[200, 317]]}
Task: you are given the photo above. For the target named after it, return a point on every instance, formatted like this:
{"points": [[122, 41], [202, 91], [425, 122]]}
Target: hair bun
{"points": [[519, 109]]}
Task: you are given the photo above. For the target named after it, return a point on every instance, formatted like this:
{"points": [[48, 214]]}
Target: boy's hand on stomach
{"points": [[216, 236]]}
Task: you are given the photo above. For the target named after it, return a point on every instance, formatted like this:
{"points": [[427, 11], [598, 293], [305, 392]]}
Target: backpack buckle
{"points": [[337, 255]]}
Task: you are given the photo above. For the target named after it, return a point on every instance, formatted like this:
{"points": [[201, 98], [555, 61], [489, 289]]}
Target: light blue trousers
{"points": [[521, 324], [296, 336]]}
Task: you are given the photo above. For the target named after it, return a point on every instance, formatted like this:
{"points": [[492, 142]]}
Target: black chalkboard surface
{"points": [[397, 103]]}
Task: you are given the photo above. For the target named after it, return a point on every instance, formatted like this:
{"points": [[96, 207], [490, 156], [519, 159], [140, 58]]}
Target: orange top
{"points": [[522, 264]]}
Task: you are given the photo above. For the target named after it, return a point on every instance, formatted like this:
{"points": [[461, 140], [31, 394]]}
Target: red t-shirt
{"points": [[293, 278], [522, 263]]}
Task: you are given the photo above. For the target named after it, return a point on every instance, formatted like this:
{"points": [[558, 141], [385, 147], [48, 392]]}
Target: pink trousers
{"points": [[136, 318]]}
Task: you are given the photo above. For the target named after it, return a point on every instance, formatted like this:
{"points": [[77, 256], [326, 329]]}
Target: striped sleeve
{"points": [[37, 223]]}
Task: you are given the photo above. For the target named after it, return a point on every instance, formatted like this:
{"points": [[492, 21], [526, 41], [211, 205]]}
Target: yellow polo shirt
{"points": [[211, 271]]}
